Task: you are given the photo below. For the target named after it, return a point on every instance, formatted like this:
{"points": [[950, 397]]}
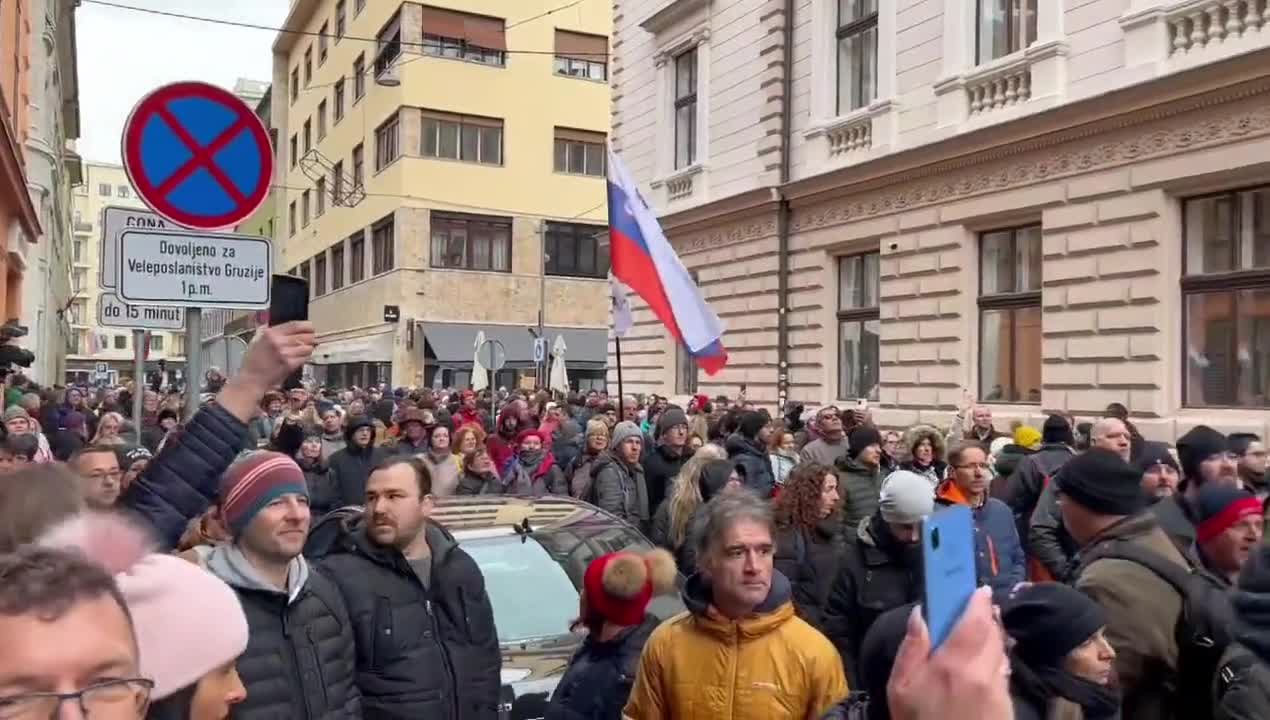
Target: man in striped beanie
{"points": [[296, 617]]}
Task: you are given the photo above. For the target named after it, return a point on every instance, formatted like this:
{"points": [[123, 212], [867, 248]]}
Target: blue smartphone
{"points": [[948, 563]]}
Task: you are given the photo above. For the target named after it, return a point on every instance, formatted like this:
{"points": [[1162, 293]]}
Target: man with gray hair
{"points": [[764, 660]]}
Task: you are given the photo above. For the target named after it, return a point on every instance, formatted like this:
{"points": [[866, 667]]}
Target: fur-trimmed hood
{"points": [[916, 434]]}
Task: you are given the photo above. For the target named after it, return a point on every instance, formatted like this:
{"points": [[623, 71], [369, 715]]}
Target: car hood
{"points": [[530, 675]]}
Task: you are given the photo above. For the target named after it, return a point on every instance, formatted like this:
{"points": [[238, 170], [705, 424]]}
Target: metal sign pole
{"points": [[193, 360], [138, 376]]}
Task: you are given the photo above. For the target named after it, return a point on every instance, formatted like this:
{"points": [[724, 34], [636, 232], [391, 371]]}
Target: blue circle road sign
{"points": [[197, 155]]}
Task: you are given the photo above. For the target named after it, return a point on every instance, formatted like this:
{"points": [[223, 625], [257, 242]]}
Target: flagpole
{"points": [[621, 396]]}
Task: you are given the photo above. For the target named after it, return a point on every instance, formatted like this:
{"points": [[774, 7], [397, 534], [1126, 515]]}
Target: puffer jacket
{"points": [[421, 652], [999, 558], [751, 460], [619, 488], [324, 495], [1241, 688], [1007, 462], [810, 558], [350, 467], [860, 487], [184, 478], [300, 660], [1048, 541], [770, 664], [598, 681], [878, 573]]}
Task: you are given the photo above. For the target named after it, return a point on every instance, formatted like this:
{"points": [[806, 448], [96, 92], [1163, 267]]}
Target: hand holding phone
{"points": [[948, 562], [289, 302]]}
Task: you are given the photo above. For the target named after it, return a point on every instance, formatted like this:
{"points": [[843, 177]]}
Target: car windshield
{"points": [[533, 580]]}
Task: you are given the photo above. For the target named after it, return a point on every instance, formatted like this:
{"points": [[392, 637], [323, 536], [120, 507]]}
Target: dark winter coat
{"points": [[751, 460], [999, 558], [878, 573], [1007, 462], [1048, 541], [620, 489], [542, 478], [860, 487], [600, 675], [810, 558], [473, 483], [579, 475], [324, 495], [184, 479], [350, 467], [661, 466], [300, 659], [421, 652], [1177, 518], [1024, 487], [1243, 692]]}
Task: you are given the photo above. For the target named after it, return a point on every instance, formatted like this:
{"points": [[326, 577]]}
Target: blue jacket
{"points": [[598, 681], [184, 479], [999, 556]]}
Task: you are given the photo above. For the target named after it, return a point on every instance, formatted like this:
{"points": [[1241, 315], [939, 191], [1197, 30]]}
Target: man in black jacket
{"points": [[351, 466], [1205, 458], [663, 463], [424, 628], [1024, 488], [300, 658]]}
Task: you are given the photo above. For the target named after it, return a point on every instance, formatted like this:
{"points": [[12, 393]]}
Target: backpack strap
{"points": [[1232, 671], [1177, 576]]}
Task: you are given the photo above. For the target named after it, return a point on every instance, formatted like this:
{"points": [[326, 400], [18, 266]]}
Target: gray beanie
{"points": [[622, 431], [14, 412], [906, 497]]}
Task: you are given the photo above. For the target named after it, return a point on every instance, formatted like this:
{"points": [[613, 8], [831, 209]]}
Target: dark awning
{"points": [[451, 345]]}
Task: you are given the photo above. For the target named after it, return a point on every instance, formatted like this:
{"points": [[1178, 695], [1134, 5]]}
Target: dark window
{"points": [[461, 137], [577, 250], [1226, 299], [359, 166], [319, 275], [1004, 27], [1010, 315], [687, 371], [388, 46], [337, 266], [357, 257], [463, 242], [304, 271], [308, 134], [339, 100], [359, 78], [579, 152], [295, 150], [858, 326], [305, 208], [321, 116], [291, 219], [121, 342], [857, 38], [295, 84], [320, 190], [339, 21], [308, 65], [337, 183], [104, 189], [358, 7], [462, 36], [386, 147], [323, 34], [381, 241], [686, 109]]}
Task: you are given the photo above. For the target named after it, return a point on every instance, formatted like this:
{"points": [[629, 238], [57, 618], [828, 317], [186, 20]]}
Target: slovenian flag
{"points": [[643, 259]]}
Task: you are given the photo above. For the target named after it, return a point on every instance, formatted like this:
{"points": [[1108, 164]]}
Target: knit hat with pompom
{"points": [[618, 587]]}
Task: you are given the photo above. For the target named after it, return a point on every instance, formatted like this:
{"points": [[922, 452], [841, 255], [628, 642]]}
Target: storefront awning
{"points": [[451, 345], [368, 348]]}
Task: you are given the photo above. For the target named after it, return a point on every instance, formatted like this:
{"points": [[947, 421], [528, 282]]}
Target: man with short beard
{"points": [[1205, 458], [300, 660], [426, 642]]}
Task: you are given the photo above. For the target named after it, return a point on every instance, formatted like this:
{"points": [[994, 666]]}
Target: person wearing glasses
{"points": [[999, 557], [100, 477]]}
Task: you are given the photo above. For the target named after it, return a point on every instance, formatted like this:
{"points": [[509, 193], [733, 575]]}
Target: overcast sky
{"points": [[124, 54]]}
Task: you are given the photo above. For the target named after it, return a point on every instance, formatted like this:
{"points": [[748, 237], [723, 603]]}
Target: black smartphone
{"points": [[288, 302]]}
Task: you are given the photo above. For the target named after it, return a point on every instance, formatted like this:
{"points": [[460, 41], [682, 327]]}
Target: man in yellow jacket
{"points": [[739, 652]]}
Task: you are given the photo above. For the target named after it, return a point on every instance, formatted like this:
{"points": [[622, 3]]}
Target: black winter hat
{"points": [[751, 422], [1100, 481], [1048, 620], [670, 418], [861, 438], [878, 650], [1057, 430], [1197, 445], [1155, 453], [714, 476]]}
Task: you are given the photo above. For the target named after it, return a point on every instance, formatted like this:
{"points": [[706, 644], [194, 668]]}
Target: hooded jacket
{"points": [[860, 486], [502, 450], [752, 461], [619, 488], [878, 573], [999, 558], [598, 681], [661, 466], [937, 468], [769, 664], [324, 495], [350, 467], [421, 652], [300, 658]]}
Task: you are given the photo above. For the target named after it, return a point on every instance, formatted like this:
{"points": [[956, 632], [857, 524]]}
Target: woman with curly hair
{"points": [[809, 539], [467, 439], [925, 448]]}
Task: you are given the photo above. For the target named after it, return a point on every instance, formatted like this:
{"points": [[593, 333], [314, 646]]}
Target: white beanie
{"points": [[906, 497]]}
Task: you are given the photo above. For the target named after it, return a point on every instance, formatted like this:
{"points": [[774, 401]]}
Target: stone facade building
{"points": [[1049, 204]]}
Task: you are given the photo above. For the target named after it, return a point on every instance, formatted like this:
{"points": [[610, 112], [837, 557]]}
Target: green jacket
{"points": [[859, 486]]}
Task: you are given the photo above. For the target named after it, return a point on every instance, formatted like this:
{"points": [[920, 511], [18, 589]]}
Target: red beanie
{"points": [[520, 438], [619, 586]]}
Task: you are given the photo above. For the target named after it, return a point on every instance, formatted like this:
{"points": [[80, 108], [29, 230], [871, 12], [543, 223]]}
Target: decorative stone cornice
{"points": [[1156, 132], [681, 44], [731, 233], [669, 13]]}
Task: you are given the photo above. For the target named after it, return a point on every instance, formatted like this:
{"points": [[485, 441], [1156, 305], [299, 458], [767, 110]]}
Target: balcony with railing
{"points": [[1171, 36], [83, 228], [1023, 82]]}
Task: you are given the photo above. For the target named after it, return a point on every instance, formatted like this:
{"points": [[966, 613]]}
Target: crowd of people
{"points": [[274, 556]]}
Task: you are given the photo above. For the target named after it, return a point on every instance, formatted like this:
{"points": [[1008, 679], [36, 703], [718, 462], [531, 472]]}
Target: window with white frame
{"points": [[1003, 27], [579, 152], [462, 137], [857, 40], [859, 326], [686, 108]]}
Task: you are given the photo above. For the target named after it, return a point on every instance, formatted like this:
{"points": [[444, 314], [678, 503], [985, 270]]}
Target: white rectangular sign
{"points": [[112, 312], [194, 269], [115, 220]]}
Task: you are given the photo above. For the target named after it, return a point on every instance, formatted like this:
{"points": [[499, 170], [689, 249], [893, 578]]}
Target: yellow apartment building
{"points": [[104, 186], [440, 173]]}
